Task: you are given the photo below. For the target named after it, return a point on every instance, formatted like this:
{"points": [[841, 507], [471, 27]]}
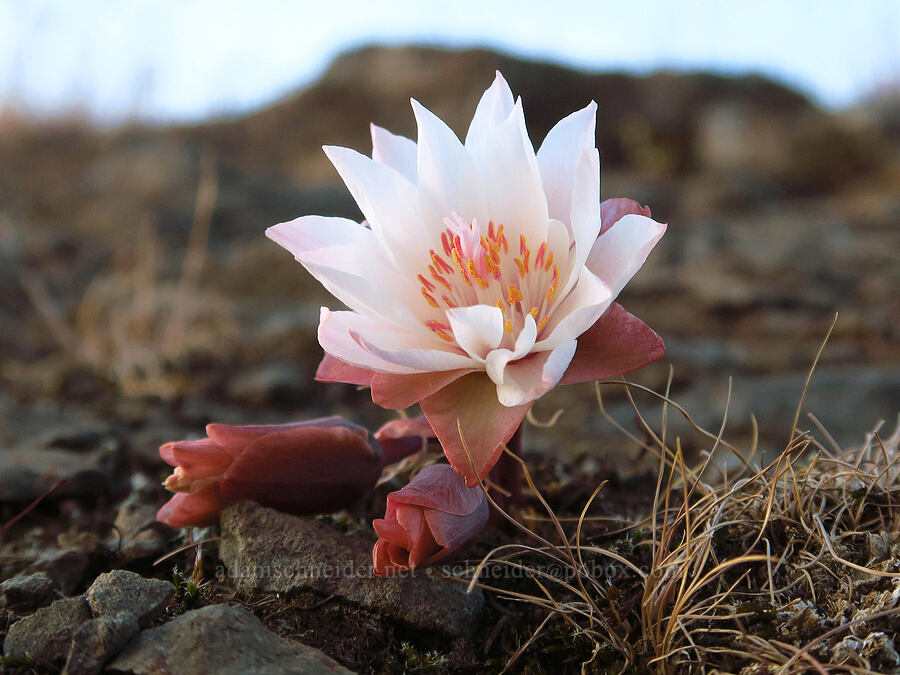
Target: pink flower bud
{"points": [[302, 468], [433, 517]]}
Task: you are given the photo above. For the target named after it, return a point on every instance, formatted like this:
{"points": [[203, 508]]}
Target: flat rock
{"points": [[98, 641], [123, 591], [33, 468], [74, 437], [219, 639], [28, 592], [265, 550], [65, 567], [45, 636], [25, 475]]}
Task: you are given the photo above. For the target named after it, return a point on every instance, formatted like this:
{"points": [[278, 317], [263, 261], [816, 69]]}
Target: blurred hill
{"points": [[779, 213]]}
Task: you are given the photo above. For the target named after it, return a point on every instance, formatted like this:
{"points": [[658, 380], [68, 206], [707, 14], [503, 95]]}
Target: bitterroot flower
{"points": [[483, 275], [430, 519]]}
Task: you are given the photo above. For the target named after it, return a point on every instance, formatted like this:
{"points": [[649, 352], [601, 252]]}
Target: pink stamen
{"points": [[427, 284]]}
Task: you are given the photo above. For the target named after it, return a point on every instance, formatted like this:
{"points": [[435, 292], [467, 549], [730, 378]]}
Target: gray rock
{"points": [[123, 591], [270, 551], [28, 592], [98, 641], [43, 638], [880, 652], [73, 463], [139, 533], [25, 474], [66, 568], [219, 639], [74, 437]]}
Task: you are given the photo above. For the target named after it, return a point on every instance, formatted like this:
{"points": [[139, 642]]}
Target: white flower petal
{"points": [[559, 155], [398, 152], [512, 180], [578, 311], [345, 257], [309, 233], [334, 336], [620, 251], [559, 241], [557, 363], [585, 215], [365, 295], [388, 202], [349, 262], [397, 350], [496, 361], [495, 106], [530, 378], [449, 181], [478, 329]]}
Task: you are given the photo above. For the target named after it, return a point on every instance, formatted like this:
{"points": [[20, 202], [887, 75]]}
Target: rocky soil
{"points": [[139, 300]]}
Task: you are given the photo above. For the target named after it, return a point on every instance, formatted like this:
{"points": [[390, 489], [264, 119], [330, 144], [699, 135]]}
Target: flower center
{"points": [[477, 268]]}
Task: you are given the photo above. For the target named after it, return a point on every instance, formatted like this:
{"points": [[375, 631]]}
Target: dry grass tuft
{"points": [[786, 566]]}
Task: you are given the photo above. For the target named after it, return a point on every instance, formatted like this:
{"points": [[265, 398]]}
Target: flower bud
{"points": [[303, 468], [433, 517]]}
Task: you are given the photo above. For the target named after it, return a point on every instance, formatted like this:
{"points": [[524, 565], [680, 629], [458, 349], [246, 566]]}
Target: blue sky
{"points": [[185, 60]]}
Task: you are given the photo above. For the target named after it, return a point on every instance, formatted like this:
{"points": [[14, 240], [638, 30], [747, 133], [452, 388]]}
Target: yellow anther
{"points": [[508, 326], [427, 284], [473, 272], [445, 242], [429, 298], [441, 280], [462, 268], [501, 240], [521, 266], [440, 263], [539, 258], [458, 261], [514, 295], [554, 282], [439, 329]]}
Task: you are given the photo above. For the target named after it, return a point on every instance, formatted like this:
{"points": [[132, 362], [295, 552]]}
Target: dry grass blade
{"points": [[812, 370], [194, 259], [534, 636]]}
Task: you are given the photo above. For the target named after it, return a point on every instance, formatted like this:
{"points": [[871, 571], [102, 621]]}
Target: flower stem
{"points": [[507, 472]]}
